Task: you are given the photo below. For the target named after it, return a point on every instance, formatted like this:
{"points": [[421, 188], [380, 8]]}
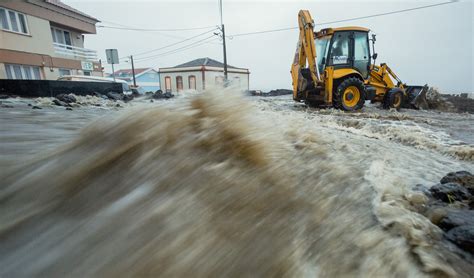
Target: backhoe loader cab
{"points": [[344, 48], [334, 67]]}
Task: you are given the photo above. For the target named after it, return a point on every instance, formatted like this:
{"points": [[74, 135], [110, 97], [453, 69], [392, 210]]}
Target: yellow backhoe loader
{"points": [[335, 68]]}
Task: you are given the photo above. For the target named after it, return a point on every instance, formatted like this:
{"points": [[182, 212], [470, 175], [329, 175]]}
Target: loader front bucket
{"points": [[416, 97]]}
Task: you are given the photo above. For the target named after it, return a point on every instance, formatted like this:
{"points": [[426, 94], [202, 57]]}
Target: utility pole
{"points": [[113, 71], [133, 72], [223, 43]]}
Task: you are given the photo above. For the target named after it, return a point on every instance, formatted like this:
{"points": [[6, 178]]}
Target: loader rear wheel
{"points": [[350, 94], [393, 99]]}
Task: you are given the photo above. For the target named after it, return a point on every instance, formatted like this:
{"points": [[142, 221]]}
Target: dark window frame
{"points": [[178, 83]]}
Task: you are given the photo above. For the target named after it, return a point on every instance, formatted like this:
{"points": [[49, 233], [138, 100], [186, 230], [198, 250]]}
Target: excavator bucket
{"points": [[416, 97]]}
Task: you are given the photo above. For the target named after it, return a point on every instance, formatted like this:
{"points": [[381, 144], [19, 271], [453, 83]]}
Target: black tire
{"points": [[393, 99], [312, 104], [345, 97]]}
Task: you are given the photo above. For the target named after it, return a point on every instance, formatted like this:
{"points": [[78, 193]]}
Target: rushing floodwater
{"points": [[217, 185]]}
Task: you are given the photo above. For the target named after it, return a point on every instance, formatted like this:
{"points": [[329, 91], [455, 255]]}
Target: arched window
{"points": [[179, 83], [168, 84], [192, 82]]}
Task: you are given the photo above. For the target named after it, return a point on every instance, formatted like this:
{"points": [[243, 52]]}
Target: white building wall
{"points": [[39, 39], [239, 80], [185, 76]]}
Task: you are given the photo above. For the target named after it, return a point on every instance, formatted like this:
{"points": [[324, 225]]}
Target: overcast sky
{"points": [[433, 45]]}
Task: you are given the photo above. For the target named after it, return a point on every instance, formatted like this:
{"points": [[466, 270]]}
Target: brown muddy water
{"points": [[221, 185]]}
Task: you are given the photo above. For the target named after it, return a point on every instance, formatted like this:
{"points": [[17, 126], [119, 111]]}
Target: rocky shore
{"points": [[70, 101], [450, 206]]}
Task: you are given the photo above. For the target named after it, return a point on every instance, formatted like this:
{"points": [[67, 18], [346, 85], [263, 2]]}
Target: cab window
{"points": [[361, 53], [339, 54]]}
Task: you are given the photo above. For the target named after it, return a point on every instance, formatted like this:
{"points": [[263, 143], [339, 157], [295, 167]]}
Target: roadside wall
{"points": [[51, 88]]}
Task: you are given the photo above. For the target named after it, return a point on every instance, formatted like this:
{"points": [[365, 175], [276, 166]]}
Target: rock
{"points": [[4, 96], [168, 95], [158, 95], [152, 100], [36, 107], [68, 108], [66, 98], [422, 188], [457, 218], [127, 98], [463, 178], [118, 105], [114, 96], [462, 236], [60, 103], [437, 215], [279, 92], [135, 92], [450, 192], [29, 104]]}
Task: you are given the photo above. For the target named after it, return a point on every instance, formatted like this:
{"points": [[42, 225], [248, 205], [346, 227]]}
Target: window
{"points": [[87, 73], [192, 82], [17, 71], [322, 51], [361, 53], [13, 21], [168, 84], [179, 83], [61, 36], [22, 19], [340, 49], [3, 19], [63, 72], [22, 72], [9, 72], [36, 73]]}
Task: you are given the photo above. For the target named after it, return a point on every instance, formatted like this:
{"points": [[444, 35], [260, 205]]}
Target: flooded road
{"points": [[219, 185]]}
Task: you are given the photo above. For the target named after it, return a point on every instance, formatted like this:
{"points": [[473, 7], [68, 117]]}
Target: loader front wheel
{"points": [[350, 94], [393, 99]]}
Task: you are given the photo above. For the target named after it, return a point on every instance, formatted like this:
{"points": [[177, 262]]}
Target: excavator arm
{"points": [[389, 70], [304, 70]]}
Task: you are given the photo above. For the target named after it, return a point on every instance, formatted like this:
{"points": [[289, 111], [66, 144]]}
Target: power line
{"points": [[173, 44], [184, 46], [171, 52], [154, 30], [345, 20]]}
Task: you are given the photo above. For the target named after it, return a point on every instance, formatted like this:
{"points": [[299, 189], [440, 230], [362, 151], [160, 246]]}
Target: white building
{"points": [[200, 74]]}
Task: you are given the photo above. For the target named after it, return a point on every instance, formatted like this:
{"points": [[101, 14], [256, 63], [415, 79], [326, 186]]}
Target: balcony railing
{"points": [[74, 52]]}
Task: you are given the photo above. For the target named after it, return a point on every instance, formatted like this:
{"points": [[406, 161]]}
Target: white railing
{"points": [[75, 52]]}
